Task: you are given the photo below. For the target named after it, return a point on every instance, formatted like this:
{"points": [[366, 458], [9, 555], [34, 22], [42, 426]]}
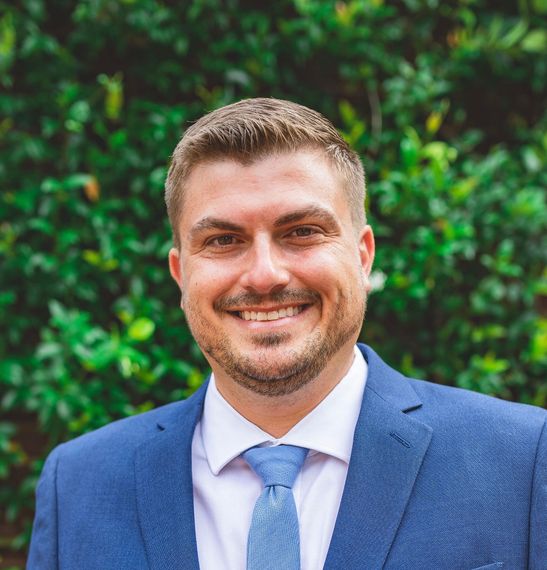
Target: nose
{"points": [[266, 271]]}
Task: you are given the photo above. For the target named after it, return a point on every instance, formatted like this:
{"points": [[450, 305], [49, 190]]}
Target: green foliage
{"points": [[442, 99]]}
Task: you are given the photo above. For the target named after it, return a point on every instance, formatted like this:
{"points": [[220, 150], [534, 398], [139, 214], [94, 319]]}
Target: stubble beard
{"points": [[260, 374]]}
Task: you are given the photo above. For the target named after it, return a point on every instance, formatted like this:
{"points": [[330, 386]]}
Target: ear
{"points": [[174, 266], [366, 252]]}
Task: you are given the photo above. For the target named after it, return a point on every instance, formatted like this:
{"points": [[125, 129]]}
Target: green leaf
{"points": [[141, 329], [535, 41]]}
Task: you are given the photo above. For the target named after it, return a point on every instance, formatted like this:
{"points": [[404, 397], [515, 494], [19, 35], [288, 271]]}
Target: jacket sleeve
{"points": [[538, 509], [43, 545]]}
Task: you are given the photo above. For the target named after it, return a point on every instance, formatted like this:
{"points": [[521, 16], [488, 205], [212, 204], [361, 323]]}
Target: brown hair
{"points": [[253, 129]]}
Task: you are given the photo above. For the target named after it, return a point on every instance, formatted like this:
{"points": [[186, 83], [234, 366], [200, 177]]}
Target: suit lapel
{"points": [[388, 450], [163, 476], [387, 453]]}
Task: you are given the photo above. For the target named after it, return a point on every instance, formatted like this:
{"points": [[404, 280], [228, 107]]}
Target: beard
{"points": [[281, 372]]}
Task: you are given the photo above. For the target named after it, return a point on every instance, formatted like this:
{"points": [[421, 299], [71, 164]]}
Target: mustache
{"points": [[248, 299]]}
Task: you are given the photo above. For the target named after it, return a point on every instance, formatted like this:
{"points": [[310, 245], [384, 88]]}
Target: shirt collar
{"points": [[328, 428]]}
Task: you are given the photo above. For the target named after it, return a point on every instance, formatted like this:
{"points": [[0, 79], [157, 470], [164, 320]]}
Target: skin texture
{"points": [[262, 237]]}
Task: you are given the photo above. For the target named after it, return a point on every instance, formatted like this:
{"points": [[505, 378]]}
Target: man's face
{"points": [[273, 273]]}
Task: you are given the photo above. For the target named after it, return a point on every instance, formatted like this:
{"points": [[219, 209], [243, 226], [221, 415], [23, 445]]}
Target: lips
{"points": [[251, 307]]}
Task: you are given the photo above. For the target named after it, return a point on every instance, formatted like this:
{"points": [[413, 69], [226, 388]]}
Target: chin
{"points": [[275, 369]]}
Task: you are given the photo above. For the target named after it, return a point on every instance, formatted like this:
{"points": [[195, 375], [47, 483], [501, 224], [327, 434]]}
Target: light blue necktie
{"points": [[274, 537]]}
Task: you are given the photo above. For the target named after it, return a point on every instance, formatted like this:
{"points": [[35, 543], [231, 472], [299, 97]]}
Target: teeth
{"points": [[270, 315]]}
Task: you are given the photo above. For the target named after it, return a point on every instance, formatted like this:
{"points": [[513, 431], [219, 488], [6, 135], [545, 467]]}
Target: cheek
{"points": [[326, 267], [205, 282], [321, 278], [335, 277]]}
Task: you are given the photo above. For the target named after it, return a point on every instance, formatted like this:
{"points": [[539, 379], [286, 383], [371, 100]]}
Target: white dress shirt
{"points": [[226, 488]]}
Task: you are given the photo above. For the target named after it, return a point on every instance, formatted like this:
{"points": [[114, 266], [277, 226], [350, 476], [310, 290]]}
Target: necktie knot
{"points": [[274, 536], [277, 465]]}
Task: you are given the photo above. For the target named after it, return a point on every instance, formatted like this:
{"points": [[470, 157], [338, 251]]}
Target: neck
{"points": [[276, 415]]}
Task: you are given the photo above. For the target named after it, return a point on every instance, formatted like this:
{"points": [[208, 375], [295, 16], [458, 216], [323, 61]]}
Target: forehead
{"points": [[273, 184]]}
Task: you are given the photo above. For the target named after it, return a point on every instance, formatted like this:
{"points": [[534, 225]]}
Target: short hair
{"points": [[252, 129]]}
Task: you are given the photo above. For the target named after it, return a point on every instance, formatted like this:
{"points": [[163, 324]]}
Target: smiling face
{"points": [[272, 271]]}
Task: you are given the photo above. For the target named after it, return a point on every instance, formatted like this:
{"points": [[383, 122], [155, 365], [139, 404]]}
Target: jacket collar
{"points": [[388, 450], [163, 479]]}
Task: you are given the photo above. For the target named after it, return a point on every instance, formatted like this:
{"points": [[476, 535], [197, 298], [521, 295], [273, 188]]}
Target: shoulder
{"points": [[465, 405], [460, 417], [120, 438], [481, 428]]}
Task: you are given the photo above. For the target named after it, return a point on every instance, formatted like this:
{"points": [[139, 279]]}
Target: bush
{"points": [[442, 99]]}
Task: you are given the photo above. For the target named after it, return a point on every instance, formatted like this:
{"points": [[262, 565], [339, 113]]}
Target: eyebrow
{"points": [[210, 223], [315, 212]]}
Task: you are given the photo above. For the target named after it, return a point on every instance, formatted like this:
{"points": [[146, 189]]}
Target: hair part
{"points": [[253, 129]]}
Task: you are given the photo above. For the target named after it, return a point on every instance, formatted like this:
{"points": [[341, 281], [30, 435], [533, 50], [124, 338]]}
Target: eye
{"points": [[222, 241], [304, 231]]}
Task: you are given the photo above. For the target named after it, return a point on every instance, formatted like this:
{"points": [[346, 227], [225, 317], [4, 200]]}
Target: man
{"points": [[272, 257]]}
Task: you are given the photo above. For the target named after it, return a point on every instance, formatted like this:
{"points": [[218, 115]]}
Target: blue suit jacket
{"points": [[439, 478]]}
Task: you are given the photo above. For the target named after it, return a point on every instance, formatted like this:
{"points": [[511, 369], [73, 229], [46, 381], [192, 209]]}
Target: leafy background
{"points": [[444, 99]]}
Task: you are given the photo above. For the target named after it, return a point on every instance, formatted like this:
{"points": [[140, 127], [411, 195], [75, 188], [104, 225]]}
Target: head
{"points": [[252, 129], [272, 253]]}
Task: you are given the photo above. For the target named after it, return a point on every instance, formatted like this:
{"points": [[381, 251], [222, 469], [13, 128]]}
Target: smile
{"points": [[270, 315]]}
